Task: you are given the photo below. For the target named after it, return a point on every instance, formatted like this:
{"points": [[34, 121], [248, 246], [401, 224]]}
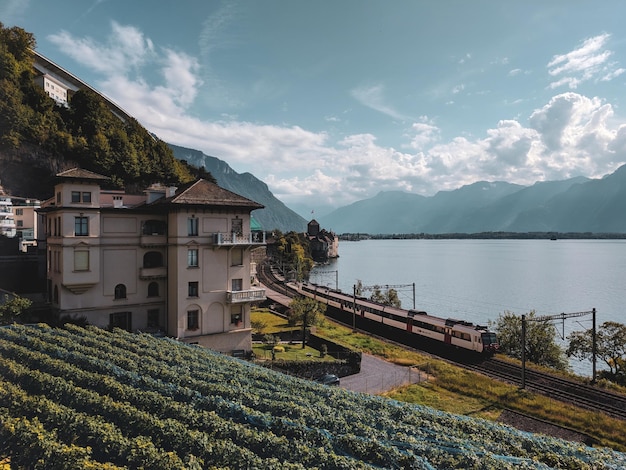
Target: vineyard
{"points": [[89, 398]]}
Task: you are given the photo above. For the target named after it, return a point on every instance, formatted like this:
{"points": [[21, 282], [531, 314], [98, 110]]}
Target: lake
{"points": [[476, 280]]}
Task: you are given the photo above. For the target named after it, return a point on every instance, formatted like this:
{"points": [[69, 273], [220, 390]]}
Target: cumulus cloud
{"points": [[568, 136], [589, 61]]}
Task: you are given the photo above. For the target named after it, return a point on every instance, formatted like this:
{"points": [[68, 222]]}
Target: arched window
{"points": [[120, 291], [153, 289], [152, 259]]}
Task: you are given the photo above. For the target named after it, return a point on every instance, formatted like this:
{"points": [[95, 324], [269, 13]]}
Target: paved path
{"points": [[378, 376]]}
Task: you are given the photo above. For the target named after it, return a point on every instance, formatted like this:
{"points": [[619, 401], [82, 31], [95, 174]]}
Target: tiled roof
{"points": [[80, 173], [203, 193]]}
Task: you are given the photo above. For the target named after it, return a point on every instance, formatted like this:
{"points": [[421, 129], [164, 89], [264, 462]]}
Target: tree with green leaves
{"points": [[294, 255], [541, 344], [388, 297], [610, 348], [307, 312], [11, 307]]}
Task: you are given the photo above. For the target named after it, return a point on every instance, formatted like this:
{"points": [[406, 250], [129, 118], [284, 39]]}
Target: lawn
{"points": [[293, 352]]}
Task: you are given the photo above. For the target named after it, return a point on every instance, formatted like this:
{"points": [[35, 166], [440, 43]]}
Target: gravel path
{"points": [[378, 376]]}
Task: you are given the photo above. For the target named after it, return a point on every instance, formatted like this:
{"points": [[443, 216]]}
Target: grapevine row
{"points": [[179, 406]]}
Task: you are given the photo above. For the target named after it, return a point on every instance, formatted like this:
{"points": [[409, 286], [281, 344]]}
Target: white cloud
{"points": [[589, 61], [373, 97], [570, 135], [127, 50]]}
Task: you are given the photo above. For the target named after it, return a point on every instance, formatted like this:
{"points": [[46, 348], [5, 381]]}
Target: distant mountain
{"points": [[275, 215], [573, 205]]}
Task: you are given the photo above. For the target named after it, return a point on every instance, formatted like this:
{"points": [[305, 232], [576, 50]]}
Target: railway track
{"points": [[558, 388]]}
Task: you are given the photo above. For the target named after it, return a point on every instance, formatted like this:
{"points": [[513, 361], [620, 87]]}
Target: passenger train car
{"points": [[457, 333]]}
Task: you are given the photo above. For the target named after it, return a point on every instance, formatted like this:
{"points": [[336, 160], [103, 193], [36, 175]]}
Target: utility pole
{"points": [[560, 316]]}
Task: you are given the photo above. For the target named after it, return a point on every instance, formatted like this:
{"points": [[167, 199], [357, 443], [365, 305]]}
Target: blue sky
{"points": [[331, 102]]}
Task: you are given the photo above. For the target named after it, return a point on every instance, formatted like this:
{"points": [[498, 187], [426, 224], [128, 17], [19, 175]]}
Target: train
{"points": [[455, 333]]}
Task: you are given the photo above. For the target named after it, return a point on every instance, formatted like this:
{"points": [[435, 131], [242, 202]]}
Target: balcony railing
{"points": [[252, 238], [243, 296], [153, 273]]}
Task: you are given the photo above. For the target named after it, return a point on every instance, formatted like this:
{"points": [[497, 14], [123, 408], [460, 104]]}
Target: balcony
{"points": [[153, 273], [229, 239], [243, 296]]}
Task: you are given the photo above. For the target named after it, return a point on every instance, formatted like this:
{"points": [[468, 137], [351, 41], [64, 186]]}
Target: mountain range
{"points": [[275, 215], [574, 205]]}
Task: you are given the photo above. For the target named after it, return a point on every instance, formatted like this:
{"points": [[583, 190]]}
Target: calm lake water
{"points": [[476, 280]]}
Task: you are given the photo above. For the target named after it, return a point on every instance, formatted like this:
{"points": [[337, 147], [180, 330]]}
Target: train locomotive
{"points": [[455, 333]]}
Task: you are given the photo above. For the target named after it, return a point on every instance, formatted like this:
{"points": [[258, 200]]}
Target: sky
{"points": [[331, 102]]}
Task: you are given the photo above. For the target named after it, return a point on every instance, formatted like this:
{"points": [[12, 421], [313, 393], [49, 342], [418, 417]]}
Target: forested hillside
{"points": [[39, 138], [89, 398]]}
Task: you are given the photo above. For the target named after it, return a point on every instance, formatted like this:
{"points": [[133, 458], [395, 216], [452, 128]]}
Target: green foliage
{"points": [[87, 133], [610, 348], [306, 312], [11, 307], [388, 297], [89, 398], [541, 345], [294, 255]]}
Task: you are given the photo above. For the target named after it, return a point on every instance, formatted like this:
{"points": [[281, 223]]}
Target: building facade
{"points": [[174, 260], [8, 228], [324, 245]]}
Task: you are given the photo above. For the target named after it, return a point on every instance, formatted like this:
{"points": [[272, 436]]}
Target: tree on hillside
{"points": [[18, 41], [610, 348], [541, 345], [294, 255], [388, 297], [11, 307], [306, 312]]}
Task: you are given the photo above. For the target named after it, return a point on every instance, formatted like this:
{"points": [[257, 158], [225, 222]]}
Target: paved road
{"points": [[378, 376]]}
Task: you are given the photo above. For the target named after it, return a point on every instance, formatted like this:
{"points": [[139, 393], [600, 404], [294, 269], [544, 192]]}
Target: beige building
{"points": [[175, 261]]}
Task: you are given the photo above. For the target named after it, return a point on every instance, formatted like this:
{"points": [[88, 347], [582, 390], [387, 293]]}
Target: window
{"points": [[193, 319], [120, 291], [55, 297], [192, 227], [59, 197], [192, 258], [78, 196], [19, 211], [20, 223], [81, 260], [237, 257], [192, 289], [236, 315], [121, 320], [153, 289], [153, 318], [237, 284], [81, 226]]}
